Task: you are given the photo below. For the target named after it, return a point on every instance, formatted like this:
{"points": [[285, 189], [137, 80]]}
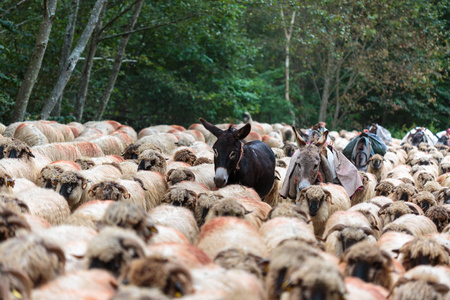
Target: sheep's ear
{"points": [[389, 260], [300, 142], [168, 174], [133, 246], [210, 127], [244, 131], [277, 175], [302, 195], [190, 175], [193, 194], [396, 251], [124, 191], [368, 231], [328, 196]]}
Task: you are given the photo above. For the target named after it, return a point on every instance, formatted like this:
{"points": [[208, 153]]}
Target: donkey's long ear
{"points": [[323, 139], [210, 127], [244, 131], [300, 142]]}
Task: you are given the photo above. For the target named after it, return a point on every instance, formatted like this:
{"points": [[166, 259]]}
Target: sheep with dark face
{"points": [[425, 200], [345, 229], [170, 277], [321, 202], [242, 260], [227, 207], [289, 149], [432, 186], [186, 156], [387, 186], [368, 262], [203, 160], [203, 174], [314, 279], [367, 191], [49, 175], [403, 192], [14, 148], [11, 223], [423, 251], [439, 216], [443, 197], [150, 160], [178, 196], [392, 211], [113, 249], [40, 260], [129, 216], [204, 203]]}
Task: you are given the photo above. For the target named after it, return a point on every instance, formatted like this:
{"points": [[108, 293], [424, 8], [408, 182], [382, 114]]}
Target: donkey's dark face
{"points": [[227, 150]]}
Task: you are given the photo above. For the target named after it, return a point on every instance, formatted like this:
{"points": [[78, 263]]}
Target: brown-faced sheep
{"points": [[49, 175], [203, 173], [423, 282], [242, 260], [276, 230], [74, 186], [370, 211], [321, 202], [368, 262], [130, 216], [367, 191], [11, 223], [313, 279], [423, 251], [178, 218], [40, 260], [172, 278], [150, 160], [439, 216], [228, 232], [113, 249], [204, 203], [403, 192], [344, 229], [412, 224], [379, 167], [46, 204], [81, 284], [203, 160], [120, 190]]}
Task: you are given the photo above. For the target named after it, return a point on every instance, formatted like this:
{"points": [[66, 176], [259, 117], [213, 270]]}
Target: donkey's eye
{"points": [[232, 154], [316, 166], [216, 153]]}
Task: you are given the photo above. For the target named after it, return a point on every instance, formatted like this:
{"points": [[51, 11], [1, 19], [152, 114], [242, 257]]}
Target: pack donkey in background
{"points": [[251, 164]]}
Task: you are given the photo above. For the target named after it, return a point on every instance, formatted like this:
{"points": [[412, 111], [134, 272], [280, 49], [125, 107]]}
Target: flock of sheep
{"points": [[97, 211]]}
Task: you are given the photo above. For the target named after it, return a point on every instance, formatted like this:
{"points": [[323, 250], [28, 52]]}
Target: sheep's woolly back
{"points": [[228, 232], [164, 141], [423, 250], [88, 149], [127, 292], [89, 214], [17, 168], [155, 187], [46, 204], [380, 201], [413, 225], [36, 257], [30, 134], [238, 191], [368, 190], [276, 230], [392, 241], [432, 187], [370, 211], [61, 151], [14, 204], [178, 218]]}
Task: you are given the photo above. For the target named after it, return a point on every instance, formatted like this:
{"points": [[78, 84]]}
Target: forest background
{"points": [[142, 62]]}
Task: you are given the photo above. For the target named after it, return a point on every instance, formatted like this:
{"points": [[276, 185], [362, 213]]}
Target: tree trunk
{"points": [[118, 62], [325, 92], [36, 61], [67, 46], [73, 59], [288, 35], [87, 67]]}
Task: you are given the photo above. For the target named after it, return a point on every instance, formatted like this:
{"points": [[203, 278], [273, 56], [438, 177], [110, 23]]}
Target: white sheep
{"points": [[413, 225], [155, 187]]}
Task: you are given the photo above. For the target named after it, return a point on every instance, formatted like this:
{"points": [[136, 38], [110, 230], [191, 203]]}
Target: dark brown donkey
{"points": [[251, 164]]}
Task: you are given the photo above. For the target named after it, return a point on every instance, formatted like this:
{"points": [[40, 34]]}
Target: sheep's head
{"points": [[40, 260], [444, 167], [443, 197], [129, 216], [403, 192], [392, 211], [423, 251], [204, 203], [227, 207], [315, 279], [14, 284], [85, 163], [17, 149], [368, 262], [384, 188], [439, 216], [109, 190], [424, 200], [186, 156], [376, 162], [10, 222], [14, 204], [423, 178], [113, 249], [170, 277], [407, 147], [177, 175], [432, 186], [240, 259], [177, 196], [288, 210], [131, 151], [71, 186], [349, 235], [150, 160], [423, 147], [6, 182], [315, 196], [289, 149], [49, 176], [203, 160]]}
